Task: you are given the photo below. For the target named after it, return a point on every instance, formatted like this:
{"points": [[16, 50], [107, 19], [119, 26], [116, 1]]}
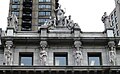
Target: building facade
{"points": [[114, 18], [58, 47]]}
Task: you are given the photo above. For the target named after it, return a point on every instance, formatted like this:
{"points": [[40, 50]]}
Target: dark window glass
{"points": [[114, 13], [94, 59], [45, 6], [112, 23], [60, 59], [48, 0], [112, 16], [41, 21], [117, 26], [41, 6], [15, 0], [48, 6], [27, 0], [26, 59], [47, 13], [118, 33], [44, 13], [15, 12], [116, 20], [44, 0], [15, 6]]}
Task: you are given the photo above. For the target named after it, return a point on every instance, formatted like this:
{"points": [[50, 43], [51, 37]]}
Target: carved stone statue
{"points": [[8, 57], [43, 53], [106, 20], [65, 21], [13, 21], [8, 53], [70, 24], [43, 57], [78, 57], [112, 56], [118, 1], [54, 22], [78, 53], [78, 44], [60, 15], [112, 53], [46, 23], [43, 44], [50, 21]]}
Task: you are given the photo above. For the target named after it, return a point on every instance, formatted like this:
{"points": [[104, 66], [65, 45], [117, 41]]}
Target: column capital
{"points": [[9, 44], [78, 44], [43, 44], [111, 44]]}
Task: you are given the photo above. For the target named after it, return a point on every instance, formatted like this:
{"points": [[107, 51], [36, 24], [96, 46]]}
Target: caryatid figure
{"points": [[43, 53], [112, 52], [8, 54], [78, 53]]}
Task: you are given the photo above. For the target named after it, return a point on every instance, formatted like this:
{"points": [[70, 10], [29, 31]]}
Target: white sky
{"points": [[87, 13]]}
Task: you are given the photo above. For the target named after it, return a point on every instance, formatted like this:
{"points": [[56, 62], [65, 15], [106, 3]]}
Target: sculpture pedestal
{"points": [[10, 31]]}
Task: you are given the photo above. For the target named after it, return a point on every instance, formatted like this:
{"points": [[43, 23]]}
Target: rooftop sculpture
{"points": [[60, 20]]}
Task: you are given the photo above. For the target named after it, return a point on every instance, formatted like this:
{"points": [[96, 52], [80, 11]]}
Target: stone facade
{"points": [[60, 37]]}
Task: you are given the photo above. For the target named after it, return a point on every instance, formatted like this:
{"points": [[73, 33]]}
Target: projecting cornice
{"points": [[59, 68]]}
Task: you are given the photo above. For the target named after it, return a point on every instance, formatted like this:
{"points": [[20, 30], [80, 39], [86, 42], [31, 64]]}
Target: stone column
{"points": [[112, 52], [43, 53], [78, 53], [8, 53]]}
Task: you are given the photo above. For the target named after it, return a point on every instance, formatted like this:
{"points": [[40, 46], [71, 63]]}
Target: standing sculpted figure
{"points": [[8, 53], [13, 21], [43, 53], [112, 53], [8, 57], [65, 21], [70, 23], [112, 56], [78, 53], [60, 14], [54, 22], [43, 57], [106, 20], [78, 57]]}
